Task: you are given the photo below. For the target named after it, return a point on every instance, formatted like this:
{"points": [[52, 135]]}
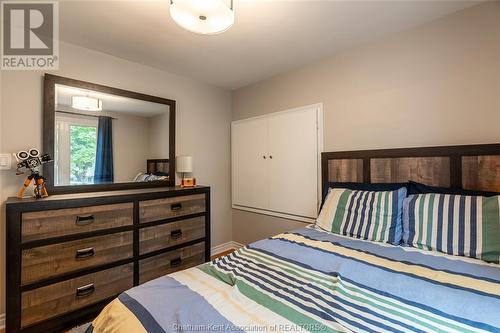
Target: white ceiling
{"points": [[268, 37], [110, 103]]}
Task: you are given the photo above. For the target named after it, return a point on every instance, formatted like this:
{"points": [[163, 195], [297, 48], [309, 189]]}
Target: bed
{"points": [[156, 170], [314, 280]]}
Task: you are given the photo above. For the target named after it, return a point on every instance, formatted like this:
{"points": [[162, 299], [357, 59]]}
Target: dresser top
{"points": [[93, 195]]}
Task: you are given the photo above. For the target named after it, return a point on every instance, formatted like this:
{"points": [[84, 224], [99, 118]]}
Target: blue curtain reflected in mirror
{"points": [[103, 172]]}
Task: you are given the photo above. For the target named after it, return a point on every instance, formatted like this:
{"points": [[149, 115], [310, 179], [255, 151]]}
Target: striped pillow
{"points": [[372, 215], [455, 224]]}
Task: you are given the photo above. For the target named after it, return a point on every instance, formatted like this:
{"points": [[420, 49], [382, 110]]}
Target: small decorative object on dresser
{"points": [[185, 165], [188, 182], [31, 160], [69, 255]]}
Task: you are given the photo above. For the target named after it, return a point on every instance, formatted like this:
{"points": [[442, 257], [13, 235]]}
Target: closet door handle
{"points": [[84, 220], [85, 253], [85, 290], [264, 156], [176, 262], [271, 156]]}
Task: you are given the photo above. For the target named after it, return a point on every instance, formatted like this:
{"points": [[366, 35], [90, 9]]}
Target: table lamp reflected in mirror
{"points": [[184, 164]]}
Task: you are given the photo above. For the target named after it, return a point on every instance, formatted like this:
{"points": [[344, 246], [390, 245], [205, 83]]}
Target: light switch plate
{"points": [[5, 161]]}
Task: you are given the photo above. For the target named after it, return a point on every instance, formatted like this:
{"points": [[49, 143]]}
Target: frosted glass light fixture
{"points": [[86, 103], [206, 17]]}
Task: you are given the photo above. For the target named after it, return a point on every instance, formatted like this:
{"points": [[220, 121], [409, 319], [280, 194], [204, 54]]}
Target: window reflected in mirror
{"points": [[102, 138]]}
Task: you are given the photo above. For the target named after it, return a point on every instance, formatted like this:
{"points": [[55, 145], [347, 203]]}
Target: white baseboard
{"points": [[232, 245], [215, 250]]}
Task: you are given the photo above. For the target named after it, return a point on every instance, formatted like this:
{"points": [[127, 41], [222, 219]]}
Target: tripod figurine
{"points": [[40, 191], [31, 160]]}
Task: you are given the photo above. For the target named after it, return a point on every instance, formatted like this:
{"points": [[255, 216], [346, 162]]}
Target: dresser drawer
{"points": [[62, 222], [165, 235], [53, 260], [50, 301], [155, 210], [166, 263]]}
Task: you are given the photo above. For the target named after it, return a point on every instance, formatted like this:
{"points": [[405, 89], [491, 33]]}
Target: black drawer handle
{"points": [[84, 253], [85, 290], [176, 206], [84, 220], [176, 262], [176, 234]]}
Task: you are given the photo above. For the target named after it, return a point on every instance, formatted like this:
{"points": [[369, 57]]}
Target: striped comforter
{"points": [[309, 280]]}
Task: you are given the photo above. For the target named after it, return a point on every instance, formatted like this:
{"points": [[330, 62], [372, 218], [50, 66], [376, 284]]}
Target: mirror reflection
{"points": [[103, 138]]}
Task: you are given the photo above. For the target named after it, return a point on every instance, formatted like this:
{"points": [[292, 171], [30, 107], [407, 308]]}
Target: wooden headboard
{"points": [[158, 165], [472, 167]]}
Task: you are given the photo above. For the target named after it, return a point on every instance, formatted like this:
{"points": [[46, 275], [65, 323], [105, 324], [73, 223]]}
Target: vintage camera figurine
{"points": [[31, 160]]}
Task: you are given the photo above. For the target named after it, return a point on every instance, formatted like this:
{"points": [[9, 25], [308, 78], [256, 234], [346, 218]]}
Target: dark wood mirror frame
{"points": [[50, 82]]}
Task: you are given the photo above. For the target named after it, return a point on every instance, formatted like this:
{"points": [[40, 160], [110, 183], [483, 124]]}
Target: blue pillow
{"points": [[363, 187], [419, 188]]}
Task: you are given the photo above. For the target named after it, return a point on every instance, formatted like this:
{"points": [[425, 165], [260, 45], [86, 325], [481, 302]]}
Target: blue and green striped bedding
{"points": [[371, 215], [311, 280], [455, 224]]}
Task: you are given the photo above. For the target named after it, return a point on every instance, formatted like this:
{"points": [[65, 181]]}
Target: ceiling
{"points": [[110, 103], [269, 36]]}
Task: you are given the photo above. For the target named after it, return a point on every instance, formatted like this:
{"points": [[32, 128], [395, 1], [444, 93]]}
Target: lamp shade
{"points": [[206, 17], [184, 164]]}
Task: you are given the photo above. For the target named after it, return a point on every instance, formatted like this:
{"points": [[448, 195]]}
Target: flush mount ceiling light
{"points": [[86, 103], [206, 17]]}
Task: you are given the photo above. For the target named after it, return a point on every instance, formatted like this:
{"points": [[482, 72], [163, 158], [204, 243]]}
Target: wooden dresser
{"points": [[69, 255]]}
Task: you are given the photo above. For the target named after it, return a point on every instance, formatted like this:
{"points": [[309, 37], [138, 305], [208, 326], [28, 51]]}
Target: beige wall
{"points": [[435, 85], [2, 209], [130, 145], [203, 124], [252, 226], [158, 136]]}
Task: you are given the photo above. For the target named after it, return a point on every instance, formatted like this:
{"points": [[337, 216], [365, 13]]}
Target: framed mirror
{"points": [[102, 138]]}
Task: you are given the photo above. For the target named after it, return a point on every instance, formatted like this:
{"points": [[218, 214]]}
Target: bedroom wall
{"points": [[158, 136], [130, 144], [203, 124], [434, 85], [2, 216]]}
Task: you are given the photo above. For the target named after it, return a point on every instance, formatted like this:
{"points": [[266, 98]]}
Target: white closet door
{"points": [[294, 165], [250, 175]]}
